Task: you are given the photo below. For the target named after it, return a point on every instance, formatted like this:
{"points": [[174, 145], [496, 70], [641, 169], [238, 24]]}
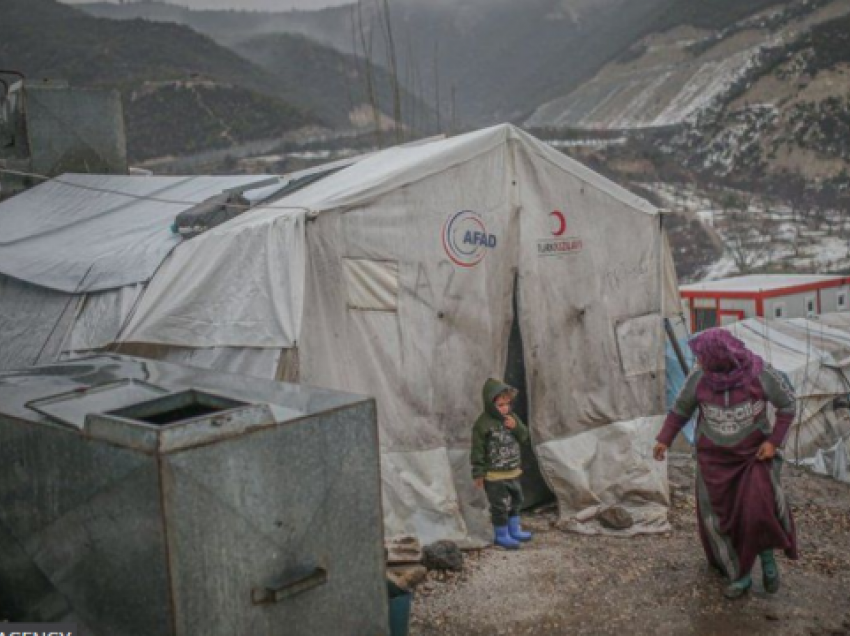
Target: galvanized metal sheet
{"points": [[72, 408]]}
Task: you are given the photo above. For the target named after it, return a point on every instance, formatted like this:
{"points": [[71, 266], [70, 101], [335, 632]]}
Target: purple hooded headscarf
{"points": [[725, 360]]}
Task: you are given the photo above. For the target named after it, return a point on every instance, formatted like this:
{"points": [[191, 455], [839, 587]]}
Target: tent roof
{"points": [[82, 232], [795, 344], [396, 167], [759, 283]]}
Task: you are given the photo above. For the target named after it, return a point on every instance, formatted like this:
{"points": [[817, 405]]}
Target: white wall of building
{"points": [[830, 299], [791, 306], [747, 305]]}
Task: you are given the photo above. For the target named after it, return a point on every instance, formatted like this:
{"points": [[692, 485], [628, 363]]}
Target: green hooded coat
{"points": [[494, 447]]}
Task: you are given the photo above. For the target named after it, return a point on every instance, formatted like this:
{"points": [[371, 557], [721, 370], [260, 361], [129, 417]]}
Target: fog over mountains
{"points": [[593, 65]]}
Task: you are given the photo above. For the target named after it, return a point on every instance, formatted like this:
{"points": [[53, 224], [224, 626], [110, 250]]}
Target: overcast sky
{"points": [[264, 5]]}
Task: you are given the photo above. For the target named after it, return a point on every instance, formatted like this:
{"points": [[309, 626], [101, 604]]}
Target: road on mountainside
{"points": [[564, 584]]}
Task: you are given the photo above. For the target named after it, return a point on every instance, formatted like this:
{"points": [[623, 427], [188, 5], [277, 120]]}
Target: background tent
{"points": [[398, 277], [76, 252], [815, 354]]}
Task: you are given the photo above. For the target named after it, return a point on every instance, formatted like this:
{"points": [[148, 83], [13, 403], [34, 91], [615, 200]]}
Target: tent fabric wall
{"points": [[610, 465], [255, 362], [100, 317], [33, 321], [426, 362], [238, 285], [592, 332]]}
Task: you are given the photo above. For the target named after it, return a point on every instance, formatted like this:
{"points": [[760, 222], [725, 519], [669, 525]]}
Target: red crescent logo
{"points": [[562, 223]]}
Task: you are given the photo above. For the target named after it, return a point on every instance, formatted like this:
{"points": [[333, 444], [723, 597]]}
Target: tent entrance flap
{"points": [[534, 487]]}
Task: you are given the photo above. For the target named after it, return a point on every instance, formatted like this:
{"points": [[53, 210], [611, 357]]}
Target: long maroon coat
{"points": [[741, 505]]}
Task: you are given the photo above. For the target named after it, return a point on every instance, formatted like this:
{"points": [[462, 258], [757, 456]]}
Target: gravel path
{"points": [[569, 584]]}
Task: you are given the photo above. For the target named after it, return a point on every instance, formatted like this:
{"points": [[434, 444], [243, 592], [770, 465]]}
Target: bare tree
{"points": [[749, 234]]}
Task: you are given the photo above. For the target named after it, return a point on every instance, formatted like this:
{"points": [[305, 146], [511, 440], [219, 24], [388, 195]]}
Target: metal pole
{"points": [[680, 356]]}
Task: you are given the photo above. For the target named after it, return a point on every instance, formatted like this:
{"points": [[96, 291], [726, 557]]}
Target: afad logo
{"points": [[465, 238]]}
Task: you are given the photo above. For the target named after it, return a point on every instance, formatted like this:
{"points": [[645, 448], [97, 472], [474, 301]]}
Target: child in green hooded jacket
{"points": [[496, 460]]}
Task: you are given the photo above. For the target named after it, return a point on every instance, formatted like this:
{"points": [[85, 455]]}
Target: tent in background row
{"points": [[815, 354], [77, 251], [403, 277]]}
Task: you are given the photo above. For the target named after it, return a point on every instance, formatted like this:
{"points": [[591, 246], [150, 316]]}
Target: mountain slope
{"points": [[674, 75], [501, 58], [43, 38], [482, 60], [330, 84], [790, 121]]}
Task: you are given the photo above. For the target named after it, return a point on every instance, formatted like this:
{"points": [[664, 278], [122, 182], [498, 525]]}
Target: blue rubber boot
{"points": [[504, 539], [517, 532], [770, 572]]}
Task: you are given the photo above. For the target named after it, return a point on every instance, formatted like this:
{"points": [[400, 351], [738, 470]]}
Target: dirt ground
{"points": [[564, 583]]}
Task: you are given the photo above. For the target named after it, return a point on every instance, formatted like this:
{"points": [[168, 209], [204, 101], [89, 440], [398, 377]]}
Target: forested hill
{"points": [[764, 100], [334, 85], [161, 65]]}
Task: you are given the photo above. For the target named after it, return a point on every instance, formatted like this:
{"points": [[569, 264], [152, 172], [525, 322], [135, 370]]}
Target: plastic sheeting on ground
{"points": [[831, 462], [607, 466]]}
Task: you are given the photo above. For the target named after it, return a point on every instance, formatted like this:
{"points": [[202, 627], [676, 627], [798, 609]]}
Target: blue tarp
{"points": [[676, 378]]}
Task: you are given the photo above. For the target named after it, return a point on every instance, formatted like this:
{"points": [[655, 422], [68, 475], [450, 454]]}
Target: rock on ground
{"points": [[442, 555]]}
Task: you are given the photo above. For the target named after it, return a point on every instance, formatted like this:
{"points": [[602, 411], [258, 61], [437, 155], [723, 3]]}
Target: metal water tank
{"points": [[145, 498]]}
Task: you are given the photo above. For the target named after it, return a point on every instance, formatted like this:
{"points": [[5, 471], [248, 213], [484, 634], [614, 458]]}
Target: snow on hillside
{"points": [[666, 94], [760, 237], [672, 78]]}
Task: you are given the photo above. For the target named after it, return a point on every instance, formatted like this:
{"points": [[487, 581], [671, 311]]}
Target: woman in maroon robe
{"points": [[741, 506]]}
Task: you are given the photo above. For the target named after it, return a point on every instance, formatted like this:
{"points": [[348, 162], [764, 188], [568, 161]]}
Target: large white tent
{"points": [[396, 277]]}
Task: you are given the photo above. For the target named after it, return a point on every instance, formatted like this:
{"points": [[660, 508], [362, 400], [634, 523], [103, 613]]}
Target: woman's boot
{"points": [[769, 571], [736, 589]]}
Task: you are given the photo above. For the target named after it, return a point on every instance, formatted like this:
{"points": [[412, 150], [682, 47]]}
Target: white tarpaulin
{"points": [[815, 354], [79, 233], [238, 285]]}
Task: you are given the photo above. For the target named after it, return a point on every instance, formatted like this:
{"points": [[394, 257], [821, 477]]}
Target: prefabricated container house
{"points": [[769, 296]]}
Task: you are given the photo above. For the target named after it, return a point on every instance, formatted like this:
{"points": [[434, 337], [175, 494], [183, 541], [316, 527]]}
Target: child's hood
{"points": [[493, 388]]}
